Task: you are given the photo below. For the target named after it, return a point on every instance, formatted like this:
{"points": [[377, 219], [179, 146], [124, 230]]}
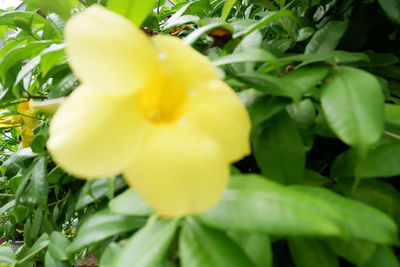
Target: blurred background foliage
{"points": [[320, 79]]}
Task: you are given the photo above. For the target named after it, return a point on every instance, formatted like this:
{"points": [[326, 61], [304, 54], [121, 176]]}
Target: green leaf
{"points": [[279, 151], [6, 255], [357, 252], [313, 178], [352, 101], [327, 38], [392, 113], [13, 19], [38, 186], [179, 19], [193, 36], [271, 85], [62, 7], [58, 243], [253, 203], [257, 246], [50, 261], [264, 107], [203, 246], [51, 56], [362, 221], [130, 203], [19, 53], [332, 57], [311, 253], [27, 70], [102, 225], [28, 253], [383, 256], [375, 193], [135, 10], [227, 9], [271, 17], [96, 189], [108, 256], [64, 87], [392, 9], [306, 78], [252, 55], [381, 161], [148, 246]]}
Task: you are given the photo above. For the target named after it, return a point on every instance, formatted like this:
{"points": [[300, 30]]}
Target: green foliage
{"points": [[321, 82]]}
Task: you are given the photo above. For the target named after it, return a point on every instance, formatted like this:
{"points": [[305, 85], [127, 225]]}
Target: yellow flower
{"points": [[153, 109], [25, 122]]}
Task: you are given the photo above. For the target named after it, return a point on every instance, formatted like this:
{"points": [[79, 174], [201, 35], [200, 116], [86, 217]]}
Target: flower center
{"points": [[163, 100]]}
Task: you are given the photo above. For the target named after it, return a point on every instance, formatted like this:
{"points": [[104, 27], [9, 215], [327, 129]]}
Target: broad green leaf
{"points": [[109, 255], [203, 246], [381, 161], [343, 165], [311, 253], [375, 193], [96, 189], [392, 113], [313, 178], [27, 70], [279, 151], [392, 9], [357, 252], [130, 203], [253, 203], [28, 253], [148, 246], [336, 57], [271, 17], [227, 9], [253, 55], [102, 225], [38, 187], [62, 7], [19, 53], [37, 218], [14, 18], [327, 38], [64, 87], [257, 246], [352, 101], [6, 255], [264, 107], [58, 243], [50, 261], [178, 18], [50, 57], [382, 59], [271, 85], [193, 36], [135, 10], [362, 221], [383, 256], [307, 77]]}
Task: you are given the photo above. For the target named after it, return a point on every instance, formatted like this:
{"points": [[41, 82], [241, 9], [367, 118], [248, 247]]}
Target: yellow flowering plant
{"points": [[153, 109], [130, 163]]}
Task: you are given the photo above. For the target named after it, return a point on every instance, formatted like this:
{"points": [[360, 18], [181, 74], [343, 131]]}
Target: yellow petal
{"points": [[216, 108], [27, 136], [27, 115], [183, 62], [179, 170], [108, 53], [94, 134]]}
